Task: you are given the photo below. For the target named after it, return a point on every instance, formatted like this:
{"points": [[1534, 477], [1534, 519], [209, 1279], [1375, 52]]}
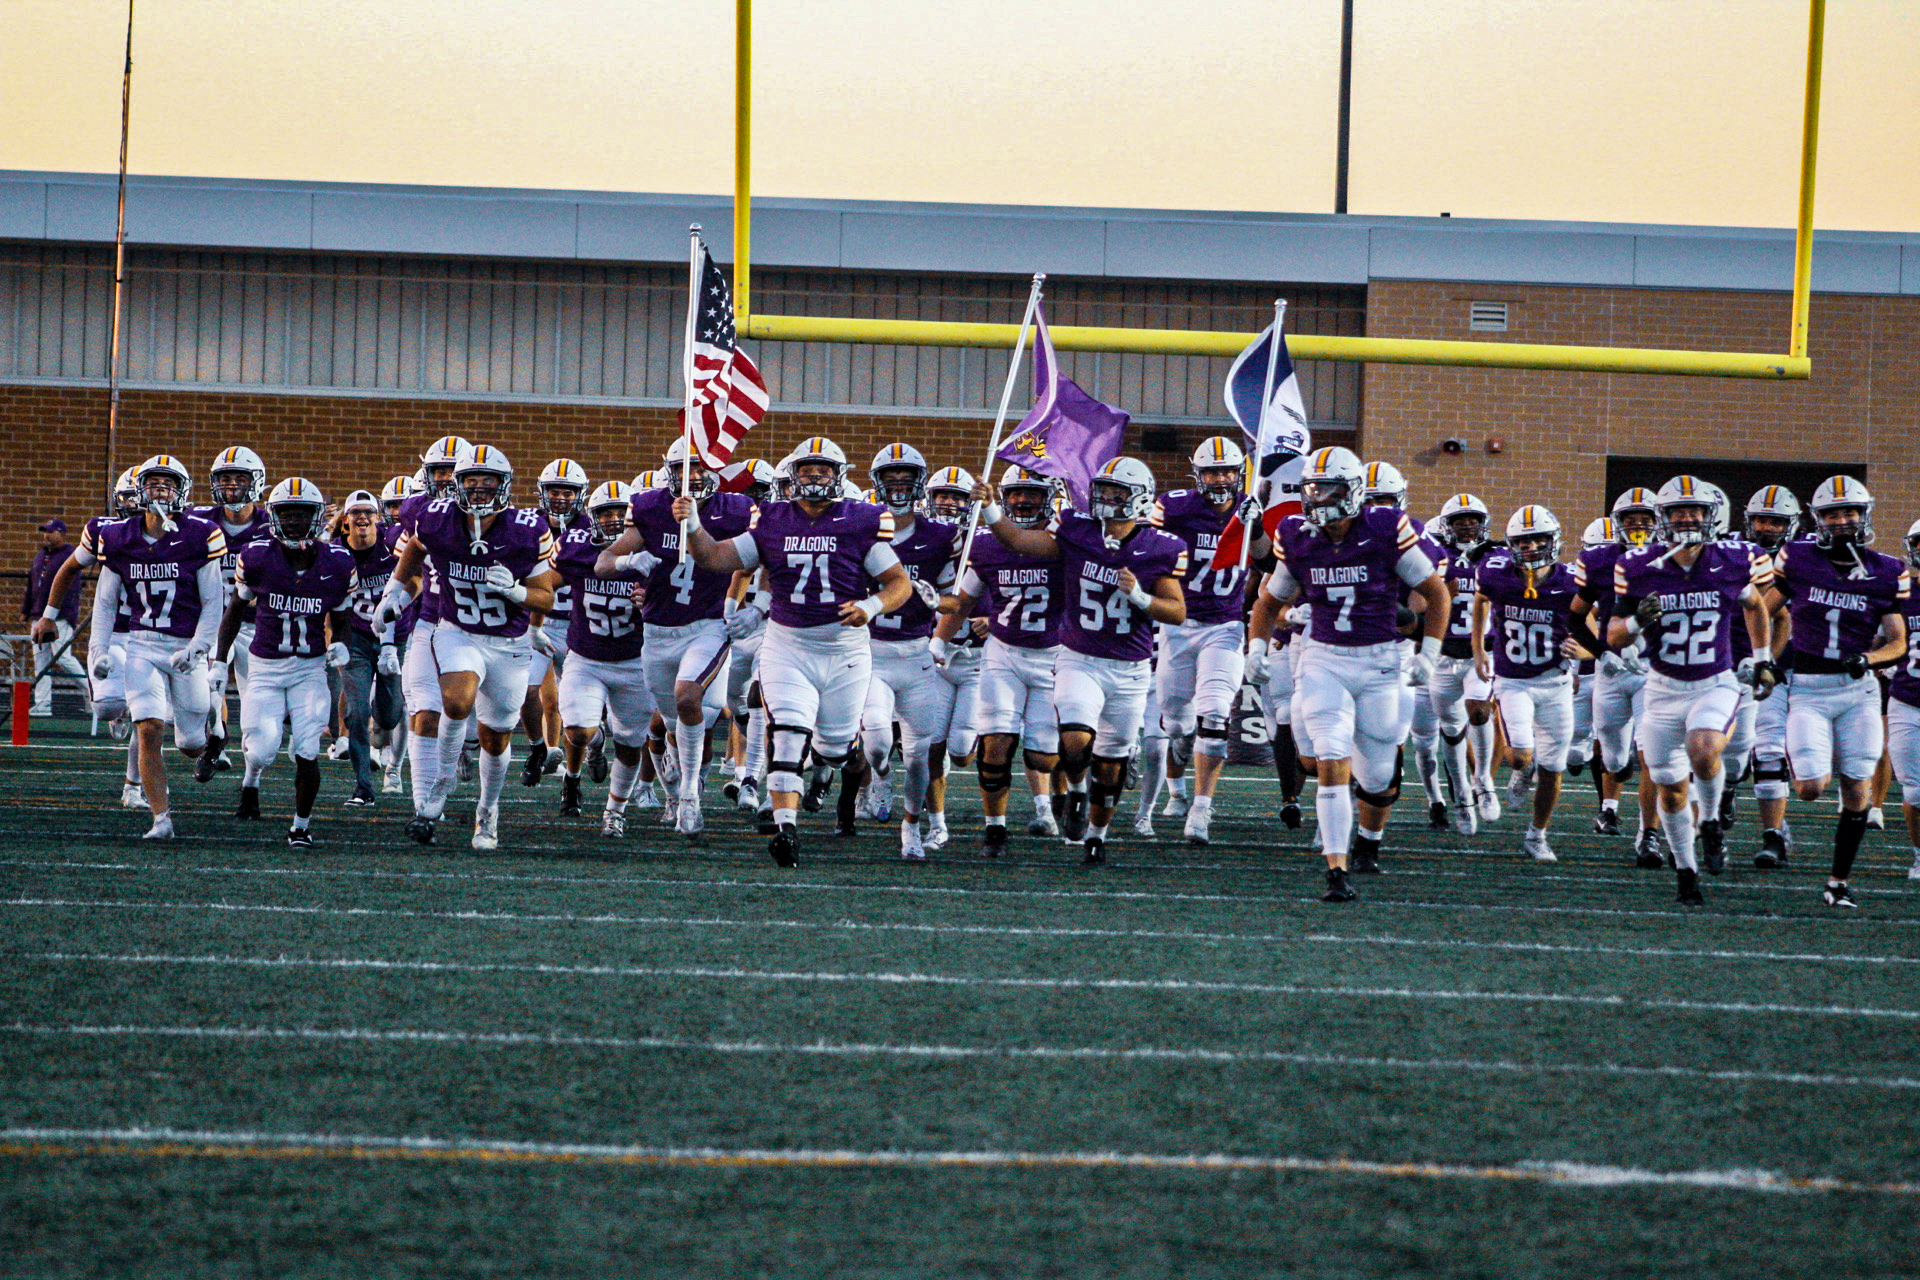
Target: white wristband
{"points": [[50, 614], [993, 513], [1141, 597], [872, 607], [1430, 647], [1632, 624]]}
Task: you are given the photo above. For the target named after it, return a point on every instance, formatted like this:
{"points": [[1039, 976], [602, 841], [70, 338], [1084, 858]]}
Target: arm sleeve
{"points": [[212, 605], [971, 585], [83, 556], [747, 549], [106, 604], [1415, 566], [880, 558], [1281, 584]]}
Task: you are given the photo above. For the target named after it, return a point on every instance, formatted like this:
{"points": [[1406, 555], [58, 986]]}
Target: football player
{"points": [[949, 497], [1023, 597], [821, 553], [1524, 593], [1684, 594], [1739, 748], [1203, 659], [1773, 517], [1903, 711], [685, 640], [166, 565], [300, 586], [371, 678], [563, 491], [743, 653], [1352, 565], [1122, 576], [1460, 703], [905, 681], [604, 675], [239, 481], [494, 565], [1840, 596]]}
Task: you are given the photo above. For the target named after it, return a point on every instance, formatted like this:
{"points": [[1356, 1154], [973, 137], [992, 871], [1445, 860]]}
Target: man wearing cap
{"points": [[53, 552]]}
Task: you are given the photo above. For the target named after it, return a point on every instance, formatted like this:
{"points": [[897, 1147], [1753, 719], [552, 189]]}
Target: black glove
{"points": [[1855, 665], [1648, 612], [1766, 675]]}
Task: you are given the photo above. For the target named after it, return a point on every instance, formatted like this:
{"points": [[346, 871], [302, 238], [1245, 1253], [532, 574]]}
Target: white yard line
{"points": [[1450, 944], [256, 1145]]}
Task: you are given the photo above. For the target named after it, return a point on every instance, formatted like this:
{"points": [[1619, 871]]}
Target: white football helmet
{"points": [[570, 478], [607, 509], [1684, 493], [1598, 533], [441, 456], [1722, 508], [238, 477], [818, 449], [1913, 544], [1638, 504], [1836, 495], [949, 493], [395, 493], [1384, 486], [759, 474], [1121, 490], [153, 474], [1330, 486], [782, 490], [1775, 502], [1219, 468], [296, 513], [701, 484], [899, 495], [126, 494], [472, 490], [1533, 533], [1038, 496], [1462, 522]]}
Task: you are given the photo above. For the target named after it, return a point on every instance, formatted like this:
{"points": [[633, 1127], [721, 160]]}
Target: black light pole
{"points": [[1346, 107]]}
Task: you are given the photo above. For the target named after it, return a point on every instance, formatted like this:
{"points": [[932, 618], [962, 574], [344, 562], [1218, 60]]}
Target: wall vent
{"points": [[1487, 317]]}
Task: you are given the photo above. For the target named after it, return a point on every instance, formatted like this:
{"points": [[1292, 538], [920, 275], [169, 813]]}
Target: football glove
{"points": [[1257, 655], [501, 582], [389, 661], [338, 654], [183, 659], [744, 621]]}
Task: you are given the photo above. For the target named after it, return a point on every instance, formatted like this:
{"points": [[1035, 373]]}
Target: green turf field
{"points": [[575, 1057]]}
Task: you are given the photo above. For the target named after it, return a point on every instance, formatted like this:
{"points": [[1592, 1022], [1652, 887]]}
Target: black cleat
{"points": [[220, 762], [554, 757], [570, 797], [846, 829], [1364, 857], [536, 760], [1838, 895], [1689, 895], [784, 848], [1728, 812], [731, 790], [816, 793], [597, 759], [1059, 803], [362, 798], [299, 838], [249, 804], [1713, 843], [204, 767], [763, 820], [1075, 827], [1437, 815], [1290, 815], [1606, 822], [420, 829], [993, 841], [1646, 851], [1094, 852], [1339, 889], [1773, 851]]}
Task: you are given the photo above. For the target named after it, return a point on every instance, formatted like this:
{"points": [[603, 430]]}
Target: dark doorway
{"points": [[1738, 477]]}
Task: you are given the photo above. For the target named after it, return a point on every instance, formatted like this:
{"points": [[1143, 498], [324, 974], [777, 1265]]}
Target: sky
{"points": [[1661, 111]]}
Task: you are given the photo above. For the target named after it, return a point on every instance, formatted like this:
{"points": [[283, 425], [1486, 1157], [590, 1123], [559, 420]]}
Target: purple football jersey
{"points": [[293, 604], [372, 567], [1461, 575], [1022, 597], [239, 537], [562, 611], [926, 551], [390, 538], [90, 541], [1528, 617], [427, 603], [1906, 676], [1099, 621], [816, 565], [1836, 610], [1594, 570], [1212, 595], [159, 578], [678, 590], [1353, 585], [1699, 607], [606, 621], [517, 539]]}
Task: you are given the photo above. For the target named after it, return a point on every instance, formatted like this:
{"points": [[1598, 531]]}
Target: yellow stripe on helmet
{"points": [[1839, 486], [1686, 486], [1527, 517]]}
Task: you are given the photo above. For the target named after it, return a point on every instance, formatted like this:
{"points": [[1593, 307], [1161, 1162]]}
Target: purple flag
{"points": [[1067, 434]]}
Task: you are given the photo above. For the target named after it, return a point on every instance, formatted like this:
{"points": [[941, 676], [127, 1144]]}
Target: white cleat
{"points": [[1176, 806], [1876, 819], [646, 796], [749, 795], [339, 749], [390, 782], [1143, 826], [1199, 820], [688, 819], [670, 810], [669, 769], [936, 837], [877, 800], [1913, 872], [612, 825], [1487, 804], [486, 829], [1520, 786], [132, 797], [1465, 821], [162, 828], [1537, 847], [1043, 825], [911, 846]]}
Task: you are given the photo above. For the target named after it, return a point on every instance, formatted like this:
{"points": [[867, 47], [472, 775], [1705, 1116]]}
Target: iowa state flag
{"points": [[1275, 426]]}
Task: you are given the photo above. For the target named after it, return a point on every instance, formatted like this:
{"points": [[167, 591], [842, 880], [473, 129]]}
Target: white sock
{"points": [[453, 736], [1374, 836], [1077, 788], [1610, 806], [1679, 829], [1203, 802], [1334, 807], [493, 776], [250, 776], [133, 761], [1457, 767], [691, 740], [1000, 820], [423, 754], [1481, 738], [1153, 774], [1042, 806], [1711, 790], [300, 821], [1178, 786], [756, 742], [620, 783]]}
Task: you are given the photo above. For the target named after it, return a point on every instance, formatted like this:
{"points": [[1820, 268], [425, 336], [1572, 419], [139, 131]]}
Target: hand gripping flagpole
{"points": [[1000, 421], [695, 248], [1263, 484]]}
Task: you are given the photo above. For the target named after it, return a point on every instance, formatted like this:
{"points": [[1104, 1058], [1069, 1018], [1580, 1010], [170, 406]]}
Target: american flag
{"points": [[729, 395]]}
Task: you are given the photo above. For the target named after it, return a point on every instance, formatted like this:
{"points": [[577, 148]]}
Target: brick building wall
{"points": [[1862, 404]]}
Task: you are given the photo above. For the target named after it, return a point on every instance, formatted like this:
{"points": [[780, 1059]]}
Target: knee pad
{"points": [[834, 759], [1081, 757], [787, 747], [1040, 761], [1385, 797], [110, 709], [996, 777], [1211, 738], [1770, 778], [1180, 750], [1107, 780]]}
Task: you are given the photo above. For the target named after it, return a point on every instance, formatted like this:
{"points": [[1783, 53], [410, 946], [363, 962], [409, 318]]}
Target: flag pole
{"points": [[119, 264], [1263, 485], [695, 247], [1000, 421]]}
